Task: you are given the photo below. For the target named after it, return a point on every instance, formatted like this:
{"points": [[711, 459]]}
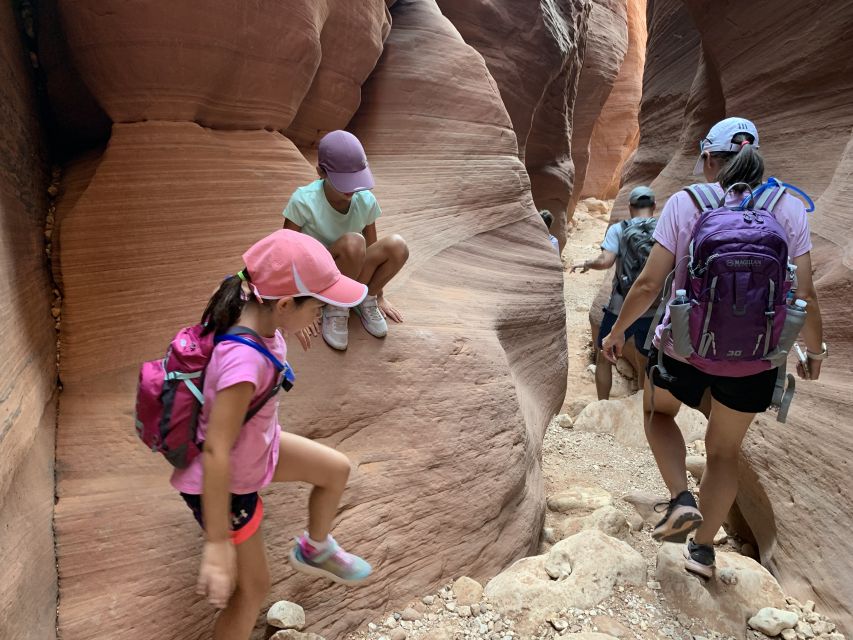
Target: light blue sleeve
{"points": [[372, 209], [612, 238], [297, 210], [368, 209]]}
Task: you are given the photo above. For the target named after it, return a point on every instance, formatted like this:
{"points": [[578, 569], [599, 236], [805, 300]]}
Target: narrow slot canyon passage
{"points": [[147, 145]]}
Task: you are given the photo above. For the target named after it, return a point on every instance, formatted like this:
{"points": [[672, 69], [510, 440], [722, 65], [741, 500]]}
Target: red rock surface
{"points": [[606, 47], [617, 130], [538, 78], [28, 353], [793, 491], [443, 420], [233, 65]]}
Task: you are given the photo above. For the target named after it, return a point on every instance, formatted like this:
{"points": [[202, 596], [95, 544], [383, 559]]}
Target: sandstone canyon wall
{"points": [[617, 130], [537, 75], [740, 60], [28, 348], [443, 420], [607, 46]]}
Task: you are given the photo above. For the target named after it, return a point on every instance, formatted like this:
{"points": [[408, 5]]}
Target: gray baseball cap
{"points": [[640, 193]]}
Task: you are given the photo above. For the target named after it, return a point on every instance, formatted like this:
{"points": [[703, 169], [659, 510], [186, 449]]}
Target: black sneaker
{"points": [[699, 559], [682, 517]]}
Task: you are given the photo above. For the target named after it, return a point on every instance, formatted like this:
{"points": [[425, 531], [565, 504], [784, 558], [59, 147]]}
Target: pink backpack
{"points": [[169, 395]]}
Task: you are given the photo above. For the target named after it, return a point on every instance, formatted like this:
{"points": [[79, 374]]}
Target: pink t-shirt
{"points": [[679, 217], [255, 452]]}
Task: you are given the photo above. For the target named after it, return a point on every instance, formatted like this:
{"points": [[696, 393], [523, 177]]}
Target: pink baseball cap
{"points": [[290, 263], [342, 157]]}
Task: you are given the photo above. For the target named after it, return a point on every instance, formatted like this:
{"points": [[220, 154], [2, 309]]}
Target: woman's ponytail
{"points": [[225, 306], [745, 165]]}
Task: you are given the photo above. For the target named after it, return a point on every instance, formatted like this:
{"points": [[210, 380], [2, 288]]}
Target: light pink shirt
{"points": [[255, 452], [679, 217]]}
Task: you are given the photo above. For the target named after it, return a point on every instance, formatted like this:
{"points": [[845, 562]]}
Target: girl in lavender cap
{"points": [[339, 210]]}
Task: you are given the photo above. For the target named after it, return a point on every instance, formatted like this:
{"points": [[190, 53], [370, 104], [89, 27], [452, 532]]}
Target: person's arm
{"points": [[218, 572], [604, 260], [641, 296], [812, 331], [290, 224], [369, 233]]}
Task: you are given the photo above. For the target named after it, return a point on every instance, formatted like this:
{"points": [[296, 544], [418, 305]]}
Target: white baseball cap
{"points": [[721, 136]]}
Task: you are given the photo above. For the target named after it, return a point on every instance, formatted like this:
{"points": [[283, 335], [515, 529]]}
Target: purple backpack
{"points": [[170, 395], [737, 282]]}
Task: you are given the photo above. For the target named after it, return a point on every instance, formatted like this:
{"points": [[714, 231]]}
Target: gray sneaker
{"points": [[335, 331], [371, 317]]}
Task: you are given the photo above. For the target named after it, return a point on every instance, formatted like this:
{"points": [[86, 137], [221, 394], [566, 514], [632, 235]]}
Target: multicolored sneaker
{"points": [[682, 516], [699, 559], [332, 562]]}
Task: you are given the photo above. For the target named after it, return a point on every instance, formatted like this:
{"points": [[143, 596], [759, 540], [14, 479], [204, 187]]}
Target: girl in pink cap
{"points": [[288, 277]]}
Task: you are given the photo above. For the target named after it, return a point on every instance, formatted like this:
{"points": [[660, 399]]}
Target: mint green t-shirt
{"points": [[309, 209]]}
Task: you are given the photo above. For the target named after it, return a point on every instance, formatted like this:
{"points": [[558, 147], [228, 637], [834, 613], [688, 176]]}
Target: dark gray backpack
{"points": [[634, 250]]}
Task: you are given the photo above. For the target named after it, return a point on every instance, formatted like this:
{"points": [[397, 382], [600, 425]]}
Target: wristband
{"points": [[818, 356]]}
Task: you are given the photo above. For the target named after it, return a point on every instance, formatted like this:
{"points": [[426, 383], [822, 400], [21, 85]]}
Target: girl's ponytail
{"points": [[225, 306], [745, 165]]}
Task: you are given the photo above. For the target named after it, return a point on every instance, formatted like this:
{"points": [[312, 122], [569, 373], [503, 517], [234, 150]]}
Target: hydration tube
{"points": [[773, 182]]}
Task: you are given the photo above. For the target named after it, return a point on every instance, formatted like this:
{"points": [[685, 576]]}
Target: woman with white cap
{"points": [[730, 161]]}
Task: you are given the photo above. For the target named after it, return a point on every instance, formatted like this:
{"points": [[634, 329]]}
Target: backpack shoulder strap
{"points": [[236, 335], [704, 196], [769, 198]]}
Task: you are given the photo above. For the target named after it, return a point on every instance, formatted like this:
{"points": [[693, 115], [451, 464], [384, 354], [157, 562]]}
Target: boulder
{"points": [[623, 418], [721, 606], [467, 591], [286, 615], [696, 466], [598, 565], [771, 622], [579, 500], [292, 634], [644, 503], [611, 627], [607, 519]]}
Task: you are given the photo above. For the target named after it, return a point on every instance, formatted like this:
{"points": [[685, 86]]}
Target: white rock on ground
{"points": [[623, 418], [696, 466], [598, 564], [607, 519], [565, 421], [579, 500], [467, 590], [293, 634], [771, 622], [644, 504], [722, 607], [286, 615]]}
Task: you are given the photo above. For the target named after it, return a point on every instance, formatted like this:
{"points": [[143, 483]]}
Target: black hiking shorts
{"points": [[749, 394]]}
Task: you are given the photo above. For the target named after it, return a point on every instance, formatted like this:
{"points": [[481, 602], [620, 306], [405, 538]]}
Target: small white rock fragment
{"points": [[286, 615], [771, 622]]}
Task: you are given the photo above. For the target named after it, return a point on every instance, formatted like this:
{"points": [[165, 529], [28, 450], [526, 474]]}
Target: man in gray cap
{"points": [[627, 244]]}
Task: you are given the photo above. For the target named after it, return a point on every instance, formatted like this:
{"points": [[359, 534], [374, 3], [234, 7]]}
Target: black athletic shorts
{"points": [[749, 394], [639, 330], [247, 511]]}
